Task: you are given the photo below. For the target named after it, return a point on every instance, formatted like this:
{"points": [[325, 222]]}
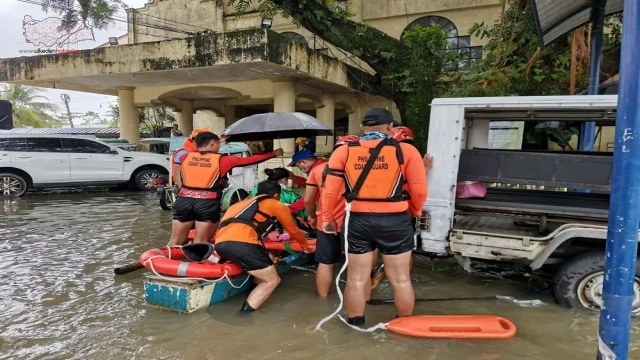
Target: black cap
{"points": [[375, 117]]}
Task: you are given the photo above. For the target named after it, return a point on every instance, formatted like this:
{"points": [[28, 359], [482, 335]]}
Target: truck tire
{"points": [[578, 282], [12, 184]]}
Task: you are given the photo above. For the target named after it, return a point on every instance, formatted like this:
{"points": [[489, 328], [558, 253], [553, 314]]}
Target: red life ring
{"points": [[166, 261]]}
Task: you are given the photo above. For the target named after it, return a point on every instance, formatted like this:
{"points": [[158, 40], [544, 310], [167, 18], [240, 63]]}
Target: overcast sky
{"points": [[12, 41]]}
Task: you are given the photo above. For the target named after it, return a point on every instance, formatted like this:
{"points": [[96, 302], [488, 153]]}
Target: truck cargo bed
{"points": [[584, 206]]}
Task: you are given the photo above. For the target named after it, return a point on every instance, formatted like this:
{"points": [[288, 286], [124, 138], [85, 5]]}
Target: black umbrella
{"points": [[279, 125]]}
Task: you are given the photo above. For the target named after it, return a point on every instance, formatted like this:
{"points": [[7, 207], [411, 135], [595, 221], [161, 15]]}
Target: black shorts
{"points": [[201, 210], [391, 233], [250, 256], [328, 248]]}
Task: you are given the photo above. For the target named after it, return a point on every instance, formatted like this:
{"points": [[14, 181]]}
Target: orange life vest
{"points": [[374, 174], [248, 209], [202, 172]]}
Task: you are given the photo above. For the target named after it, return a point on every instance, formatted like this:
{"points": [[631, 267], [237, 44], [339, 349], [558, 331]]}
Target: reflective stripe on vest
{"points": [[384, 181], [202, 172], [247, 216]]}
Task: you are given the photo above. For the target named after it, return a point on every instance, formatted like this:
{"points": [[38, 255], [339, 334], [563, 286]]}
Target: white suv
{"points": [[55, 161]]}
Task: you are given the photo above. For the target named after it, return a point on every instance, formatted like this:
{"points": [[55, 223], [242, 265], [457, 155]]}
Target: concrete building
{"points": [[233, 68]]}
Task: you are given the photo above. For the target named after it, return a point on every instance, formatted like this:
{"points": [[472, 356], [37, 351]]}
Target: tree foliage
{"points": [[514, 63], [29, 107], [98, 12], [155, 119]]}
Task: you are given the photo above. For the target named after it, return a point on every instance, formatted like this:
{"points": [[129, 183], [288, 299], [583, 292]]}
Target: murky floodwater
{"points": [[59, 299]]}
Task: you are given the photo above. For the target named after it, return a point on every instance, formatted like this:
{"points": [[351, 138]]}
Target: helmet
{"points": [[402, 134], [345, 140], [197, 131]]}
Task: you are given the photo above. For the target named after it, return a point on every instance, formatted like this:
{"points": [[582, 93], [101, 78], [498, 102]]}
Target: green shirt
{"points": [[287, 197]]}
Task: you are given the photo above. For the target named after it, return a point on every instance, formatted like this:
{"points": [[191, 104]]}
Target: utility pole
{"points": [[66, 98]]}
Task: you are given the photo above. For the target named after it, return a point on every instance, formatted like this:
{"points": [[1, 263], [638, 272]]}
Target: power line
{"points": [[155, 25]]}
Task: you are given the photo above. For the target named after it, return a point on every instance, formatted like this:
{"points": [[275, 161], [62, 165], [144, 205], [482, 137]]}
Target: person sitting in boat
{"points": [[201, 177], [294, 201], [241, 232]]}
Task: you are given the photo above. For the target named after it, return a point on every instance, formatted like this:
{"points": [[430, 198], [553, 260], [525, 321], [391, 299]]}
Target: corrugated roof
{"points": [[555, 18], [66, 131], [62, 131]]}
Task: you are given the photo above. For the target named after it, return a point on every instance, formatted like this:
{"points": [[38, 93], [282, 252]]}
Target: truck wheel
{"points": [[12, 184], [578, 283], [144, 180]]}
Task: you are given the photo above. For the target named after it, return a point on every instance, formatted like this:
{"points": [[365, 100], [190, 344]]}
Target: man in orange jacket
{"points": [[374, 171], [240, 236], [201, 176], [328, 247], [188, 146]]}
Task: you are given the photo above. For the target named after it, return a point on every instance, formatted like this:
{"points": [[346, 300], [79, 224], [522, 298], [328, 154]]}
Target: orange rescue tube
{"points": [[295, 246], [166, 261], [192, 235], [454, 327]]}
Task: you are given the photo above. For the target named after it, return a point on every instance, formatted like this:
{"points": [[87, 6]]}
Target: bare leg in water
{"points": [[205, 231], [398, 269], [179, 232], [267, 280], [324, 279], [368, 287], [358, 276]]}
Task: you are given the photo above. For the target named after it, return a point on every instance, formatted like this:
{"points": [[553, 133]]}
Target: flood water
{"points": [[59, 299]]}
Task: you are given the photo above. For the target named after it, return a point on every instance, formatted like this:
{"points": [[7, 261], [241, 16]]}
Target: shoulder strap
{"points": [[399, 153], [373, 155]]}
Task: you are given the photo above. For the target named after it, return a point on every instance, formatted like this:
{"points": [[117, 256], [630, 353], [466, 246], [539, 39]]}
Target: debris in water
{"points": [[523, 303]]}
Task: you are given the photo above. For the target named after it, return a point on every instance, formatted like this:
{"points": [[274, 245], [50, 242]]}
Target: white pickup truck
{"points": [[562, 231]]}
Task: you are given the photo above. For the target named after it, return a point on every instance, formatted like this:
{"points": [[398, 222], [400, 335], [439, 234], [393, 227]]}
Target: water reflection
{"points": [[60, 300]]}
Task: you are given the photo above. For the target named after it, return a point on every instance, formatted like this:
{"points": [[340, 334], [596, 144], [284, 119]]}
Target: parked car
{"points": [[59, 161]]}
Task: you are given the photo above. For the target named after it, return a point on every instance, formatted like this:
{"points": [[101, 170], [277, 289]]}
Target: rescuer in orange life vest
{"points": [[201, 176], [188, 146], [380, 216], [240, 236]]}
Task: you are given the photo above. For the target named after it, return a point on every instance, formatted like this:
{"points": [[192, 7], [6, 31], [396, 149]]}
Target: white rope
{"points": [[344, 267], [182, 279]]}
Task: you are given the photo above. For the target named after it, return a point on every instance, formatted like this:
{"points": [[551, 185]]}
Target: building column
{"points": [[355, 118], [284, 100], [129, 116], [326, 114], [229, 115], [185, 120]]}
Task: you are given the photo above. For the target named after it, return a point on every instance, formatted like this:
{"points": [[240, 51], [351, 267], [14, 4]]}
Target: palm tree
{"points": [[28, 108]]}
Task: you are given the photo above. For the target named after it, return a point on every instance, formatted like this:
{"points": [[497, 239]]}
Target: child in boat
{"points": [[241, 231]]}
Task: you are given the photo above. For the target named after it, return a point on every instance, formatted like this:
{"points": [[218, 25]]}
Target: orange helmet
{"points": [[402, 134], [197, 131], [345, 140]]}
